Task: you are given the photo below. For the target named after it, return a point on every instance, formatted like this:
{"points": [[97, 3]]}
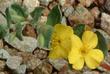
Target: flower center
{"points": [[84, 51], [59, 41]]}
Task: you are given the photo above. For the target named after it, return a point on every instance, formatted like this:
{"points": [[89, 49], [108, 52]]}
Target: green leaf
{"points": [[15, 14], [3, 31], [19, 28], [70, 66], [102, 43], [79, 29], [36, 14], [8, 17], [46, 31], [19, 10], [40, 40], [54, 16]]}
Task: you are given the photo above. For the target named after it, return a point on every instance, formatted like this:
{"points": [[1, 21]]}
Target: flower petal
{"points": [[63, 30], [76, 59], [79, 64], [94, 58], [90, 39], [57, 53], [76, 42], [60, 41]]}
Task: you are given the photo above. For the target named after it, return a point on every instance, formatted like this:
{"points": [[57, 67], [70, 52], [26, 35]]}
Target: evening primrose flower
{"points": [[60, 41], [84, 52]]}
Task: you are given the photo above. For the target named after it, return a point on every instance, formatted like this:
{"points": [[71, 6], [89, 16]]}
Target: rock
{"points": [[91, 72], [46, 11], [18, 1], [44, 68], [5, 72], [107, 5], [11, 51], [52, 4], [40, 53], [64, 70], [27, 45], [95, 12], [106, 36], [4, 4], [2, 65], [1, 43], [25, 56], [68, 10], [54, 73], [29, 31], [42, 20], [31, 4], [100, 2], [82, 15], [21, 69], [37, 71], [14, 62], [58, 63], [86, 3], [107, 58], [45, 2], [4, 54], [74, 72], [105, 22], [62, 2], [2, 72], [33, 63], [32, 73], [63, 21], [30, 60], [2, 20]]}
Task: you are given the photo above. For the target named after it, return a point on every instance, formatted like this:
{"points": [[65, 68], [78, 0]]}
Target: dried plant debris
{"points": [[27, 29]]}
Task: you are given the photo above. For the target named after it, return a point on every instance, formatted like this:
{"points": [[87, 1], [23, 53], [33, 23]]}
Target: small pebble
{"points": [[82, 15], [95, 12], [45, 2], [105, 22], [1, 43], [33, 63], [44, 68], [68, 11], [41, 54], [21, 69], [31, 4], [2, 65], [14, 62], [4, 54], [58, 63], [86, 3]]}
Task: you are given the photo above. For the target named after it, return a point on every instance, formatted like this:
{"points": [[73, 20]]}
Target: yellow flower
{"points": [[84, 51], [60, 41]]}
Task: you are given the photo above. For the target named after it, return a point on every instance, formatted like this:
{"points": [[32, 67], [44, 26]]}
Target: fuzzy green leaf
{"points": [[3, 31], [79, 29], [102, 43], [19, 10], [15, 14], [19, 28], [36, 14], [46, 31], [8, 17], [54, 16], [40, 40]]}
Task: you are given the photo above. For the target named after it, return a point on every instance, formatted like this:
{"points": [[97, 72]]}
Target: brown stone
{"points": [[1, 43], [40, 53], [29, 31], [2, 65]]}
